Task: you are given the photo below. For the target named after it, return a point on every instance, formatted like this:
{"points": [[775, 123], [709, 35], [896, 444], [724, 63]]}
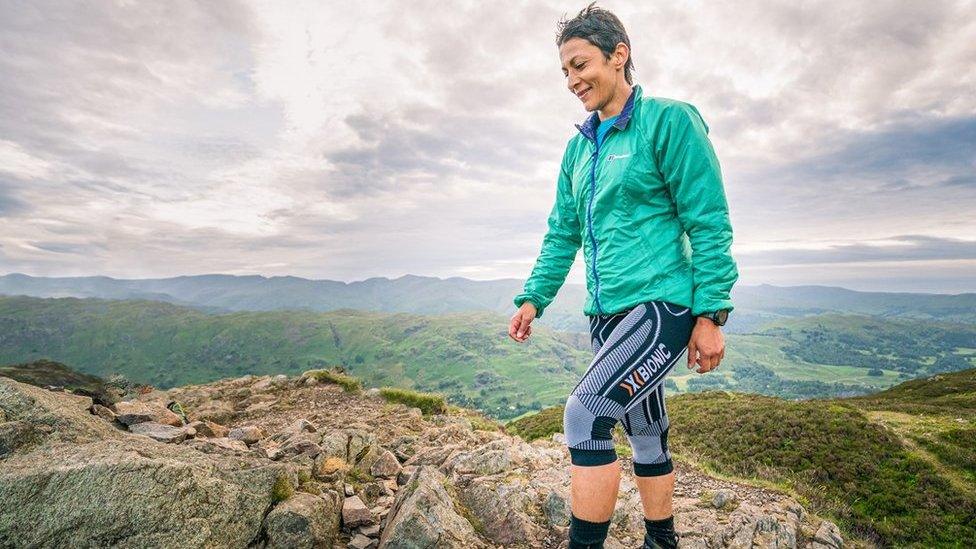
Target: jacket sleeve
{"points": [[694, 178], [559, 247]]}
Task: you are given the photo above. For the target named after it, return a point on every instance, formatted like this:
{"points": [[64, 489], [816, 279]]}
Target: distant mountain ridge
{"points": [[430, 295]]}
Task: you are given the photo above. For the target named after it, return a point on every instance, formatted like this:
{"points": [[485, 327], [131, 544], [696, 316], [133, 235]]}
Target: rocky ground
{"points": [[294, 462]]}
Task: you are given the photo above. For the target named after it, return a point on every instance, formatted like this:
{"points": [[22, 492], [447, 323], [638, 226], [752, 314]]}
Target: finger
{"points": [[522, 326], [528, 332], [706, 364], [513, 326], [703, 359], [692, 354], [702, 364]]}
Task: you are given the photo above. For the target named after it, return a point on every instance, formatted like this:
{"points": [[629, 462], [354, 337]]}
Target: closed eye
{"points": [[577, 67]]}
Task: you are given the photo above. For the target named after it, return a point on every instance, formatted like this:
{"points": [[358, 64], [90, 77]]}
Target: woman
{"points": [[641, 191]]}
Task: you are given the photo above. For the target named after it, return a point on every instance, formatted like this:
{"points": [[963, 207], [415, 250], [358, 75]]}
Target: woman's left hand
{"points": [[706, 347]]}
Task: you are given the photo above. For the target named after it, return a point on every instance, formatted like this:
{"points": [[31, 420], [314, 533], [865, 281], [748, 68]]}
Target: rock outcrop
{"points": [[304, 520], [425, 515], [72, 479], [280, 462]]}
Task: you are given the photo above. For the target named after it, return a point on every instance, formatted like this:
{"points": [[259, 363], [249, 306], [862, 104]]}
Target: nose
{"points": [[571, 81]]}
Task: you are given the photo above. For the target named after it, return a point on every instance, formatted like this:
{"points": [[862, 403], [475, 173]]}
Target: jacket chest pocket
{"points": [[610, 185], [618, 167], [641, 179]]}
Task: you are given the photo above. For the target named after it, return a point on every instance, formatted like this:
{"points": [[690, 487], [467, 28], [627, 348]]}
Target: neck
{"points": [[620, 96]]}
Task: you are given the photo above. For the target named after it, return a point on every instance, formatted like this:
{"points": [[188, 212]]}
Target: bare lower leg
{"points": [[656, 493], [593, 491]]}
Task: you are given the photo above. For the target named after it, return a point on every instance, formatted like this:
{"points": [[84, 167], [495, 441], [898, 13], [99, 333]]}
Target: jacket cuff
{"points": [[534, 299], [702, 307]]}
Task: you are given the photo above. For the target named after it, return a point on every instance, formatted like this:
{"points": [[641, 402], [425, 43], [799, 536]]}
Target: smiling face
{"points": [[593, 78]]}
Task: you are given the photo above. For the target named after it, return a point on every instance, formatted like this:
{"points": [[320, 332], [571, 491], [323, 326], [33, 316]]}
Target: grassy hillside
{"points": [[43, 373], [897, 467], [467, 356], [835, 355], [952, 393]]}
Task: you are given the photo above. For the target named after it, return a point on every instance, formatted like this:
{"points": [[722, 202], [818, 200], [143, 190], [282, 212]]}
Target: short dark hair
{"points": [[599, 27]]}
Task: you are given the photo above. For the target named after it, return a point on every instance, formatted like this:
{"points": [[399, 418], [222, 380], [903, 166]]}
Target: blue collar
{"points": [[588, 128]]}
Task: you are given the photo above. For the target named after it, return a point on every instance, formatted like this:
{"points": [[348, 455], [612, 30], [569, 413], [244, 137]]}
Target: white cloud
{"points": [[17, 162], [338, 141]]}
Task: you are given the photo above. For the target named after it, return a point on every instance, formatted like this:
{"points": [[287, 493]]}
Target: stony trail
{"points": [[296, 462]]}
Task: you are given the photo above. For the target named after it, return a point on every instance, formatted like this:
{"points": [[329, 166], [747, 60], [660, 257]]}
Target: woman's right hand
{"points": [[519, 328]]}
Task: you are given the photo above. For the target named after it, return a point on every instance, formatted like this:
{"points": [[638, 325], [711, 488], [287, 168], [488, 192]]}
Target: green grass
{"points": [[897, 468], [955, 448], [550, 420], [348, 383], [848, 466], [540, 425], [952, 393], [428, 403], [946, 442]]}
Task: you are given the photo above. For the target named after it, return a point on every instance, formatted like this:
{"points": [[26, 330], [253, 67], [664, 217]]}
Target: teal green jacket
{"points": [[649, 209]]}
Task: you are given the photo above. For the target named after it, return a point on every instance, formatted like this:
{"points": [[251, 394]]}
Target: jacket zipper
{"points": [[589, 219]]}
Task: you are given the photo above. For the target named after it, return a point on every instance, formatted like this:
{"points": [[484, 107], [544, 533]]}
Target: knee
{"points": [[651, 455], [582, 424], [588, 436], [576, 421]]}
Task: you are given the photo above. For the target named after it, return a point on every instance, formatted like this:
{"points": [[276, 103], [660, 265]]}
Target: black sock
{"points": [[660, 531], [584, 534]]}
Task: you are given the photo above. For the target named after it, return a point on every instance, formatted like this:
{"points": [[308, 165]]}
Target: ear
{"points": [[620, 55]]}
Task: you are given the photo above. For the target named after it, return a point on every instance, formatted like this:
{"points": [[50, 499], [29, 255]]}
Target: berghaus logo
{"points": [[612, 157]]}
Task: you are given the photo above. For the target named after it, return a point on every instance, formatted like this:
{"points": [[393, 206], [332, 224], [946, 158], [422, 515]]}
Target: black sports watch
{"points": [[718, 317]]}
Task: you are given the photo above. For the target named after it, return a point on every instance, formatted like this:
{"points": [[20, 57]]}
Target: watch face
{"points": [[722, 316]]}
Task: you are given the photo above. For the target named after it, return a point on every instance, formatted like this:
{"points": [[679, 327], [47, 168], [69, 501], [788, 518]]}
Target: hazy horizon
{"points": [[153, 140], [357, 280]]}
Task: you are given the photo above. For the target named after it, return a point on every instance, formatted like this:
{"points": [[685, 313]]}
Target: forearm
{"points": [[549, 272]]}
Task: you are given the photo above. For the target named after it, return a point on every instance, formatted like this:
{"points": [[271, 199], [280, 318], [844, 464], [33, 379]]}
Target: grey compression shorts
{"points": [[634, 351]]}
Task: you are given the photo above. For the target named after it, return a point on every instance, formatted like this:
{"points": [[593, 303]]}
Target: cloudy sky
{"points": [[349, 140]]}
